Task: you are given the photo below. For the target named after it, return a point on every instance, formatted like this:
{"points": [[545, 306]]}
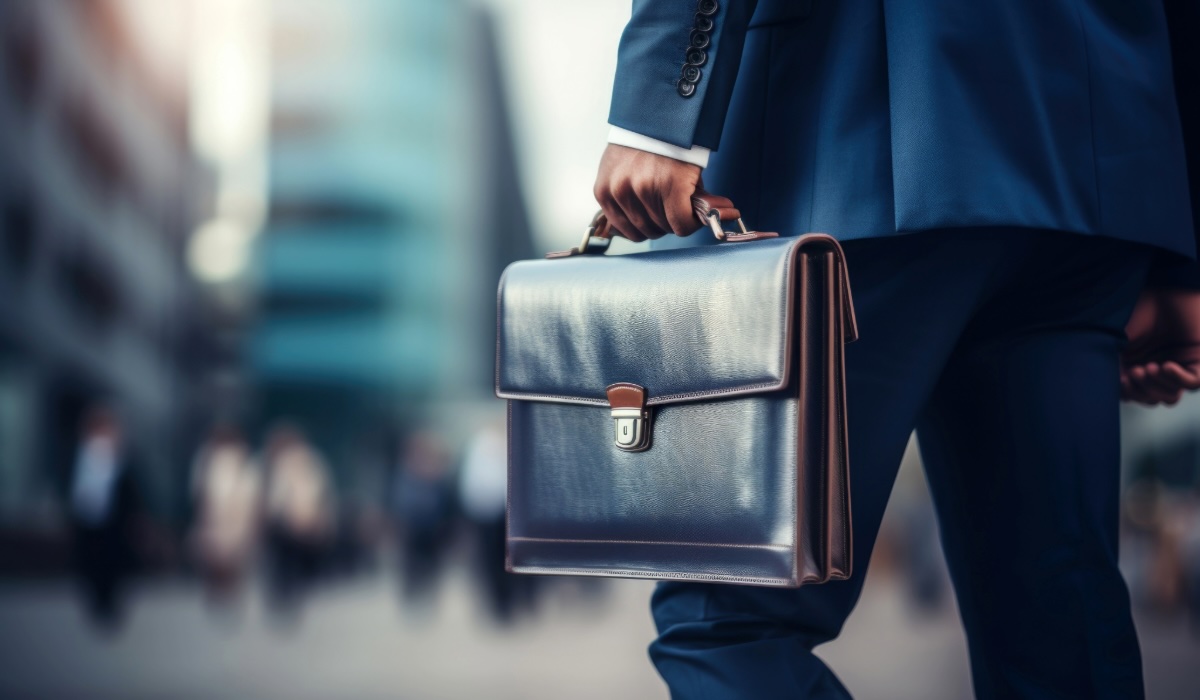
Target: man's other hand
{"points": [[645, 195], [1162, 359]]}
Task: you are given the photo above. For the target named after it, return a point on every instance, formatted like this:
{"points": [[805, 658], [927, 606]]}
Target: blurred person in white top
{"points": [[482, 489], [300, 513], [482, 494], [227, 491]]}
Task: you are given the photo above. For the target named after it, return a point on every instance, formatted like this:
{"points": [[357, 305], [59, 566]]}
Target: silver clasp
{"points": [[630, 426], [714, 224], [631, 418]]}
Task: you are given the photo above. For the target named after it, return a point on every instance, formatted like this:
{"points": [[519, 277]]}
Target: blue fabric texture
{"points": [[868, 118]]}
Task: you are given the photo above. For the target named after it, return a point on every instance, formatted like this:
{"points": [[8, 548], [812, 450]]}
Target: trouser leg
{"points": [[1020, 445], [912, 297]]}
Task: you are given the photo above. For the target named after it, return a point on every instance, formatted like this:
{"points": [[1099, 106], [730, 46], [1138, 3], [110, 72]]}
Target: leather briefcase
{"points": [[679, 414]]}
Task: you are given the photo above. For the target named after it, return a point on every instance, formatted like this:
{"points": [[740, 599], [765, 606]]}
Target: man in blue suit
{"points": [[1010, 180]]}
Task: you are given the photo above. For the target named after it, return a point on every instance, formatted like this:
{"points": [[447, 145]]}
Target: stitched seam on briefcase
{"points": [[635, 573], [654, 401], [653, 542], [839, 408], [800, 357], [829, 325]]}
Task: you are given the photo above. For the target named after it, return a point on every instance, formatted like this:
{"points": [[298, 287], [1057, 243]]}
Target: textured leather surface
{"points": [[677, 322], [745, 488]]}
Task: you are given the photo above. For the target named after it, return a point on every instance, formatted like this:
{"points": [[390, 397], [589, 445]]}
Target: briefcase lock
{"points": [[631, 418]]}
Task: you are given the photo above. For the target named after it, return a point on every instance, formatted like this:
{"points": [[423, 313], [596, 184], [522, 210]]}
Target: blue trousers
{"points": [[1000, 347]]}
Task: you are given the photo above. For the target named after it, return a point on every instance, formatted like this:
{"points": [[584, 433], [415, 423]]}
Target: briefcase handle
{"points": [[709, 208]]}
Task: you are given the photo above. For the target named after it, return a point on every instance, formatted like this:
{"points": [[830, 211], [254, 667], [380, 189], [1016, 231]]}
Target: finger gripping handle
{"points": [[704, 204], [709, 209]]}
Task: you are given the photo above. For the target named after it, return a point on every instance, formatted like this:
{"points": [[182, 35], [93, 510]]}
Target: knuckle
{"points": [[644, 186]]}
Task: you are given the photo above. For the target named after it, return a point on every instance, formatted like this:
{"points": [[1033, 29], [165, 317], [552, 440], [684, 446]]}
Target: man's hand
{"points": [[645, 195], [1162, 359]]}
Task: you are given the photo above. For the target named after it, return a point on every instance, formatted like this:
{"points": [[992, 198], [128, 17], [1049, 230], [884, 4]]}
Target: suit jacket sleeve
{"points": [[676, 66], [1183, 23]]}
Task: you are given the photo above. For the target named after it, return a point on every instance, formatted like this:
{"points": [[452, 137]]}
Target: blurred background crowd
{"points": [[248, 256]]}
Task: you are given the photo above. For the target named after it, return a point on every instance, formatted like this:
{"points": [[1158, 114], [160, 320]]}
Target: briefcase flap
{"points": [[686, 324]]}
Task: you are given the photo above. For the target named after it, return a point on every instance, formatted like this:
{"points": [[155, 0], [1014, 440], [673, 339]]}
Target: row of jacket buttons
{"points": [[696, 55]]}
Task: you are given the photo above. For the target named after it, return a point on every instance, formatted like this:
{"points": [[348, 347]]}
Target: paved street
{"points": [[355, 642]]}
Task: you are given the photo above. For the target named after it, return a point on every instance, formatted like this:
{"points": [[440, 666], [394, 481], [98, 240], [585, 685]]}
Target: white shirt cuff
{"points": [[696, 155]]}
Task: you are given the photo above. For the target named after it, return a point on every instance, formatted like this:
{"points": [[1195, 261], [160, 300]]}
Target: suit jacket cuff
{"points": [[677, 64], [696, 155]]}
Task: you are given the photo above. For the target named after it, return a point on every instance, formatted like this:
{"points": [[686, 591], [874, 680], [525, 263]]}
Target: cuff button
{"points": [[685, 88], [703, 23], [691, 74], [699, 40], [708, 7], [696, 57]]}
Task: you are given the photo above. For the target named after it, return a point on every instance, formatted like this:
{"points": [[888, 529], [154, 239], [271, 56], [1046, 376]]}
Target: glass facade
{"points": [[393, 208]]}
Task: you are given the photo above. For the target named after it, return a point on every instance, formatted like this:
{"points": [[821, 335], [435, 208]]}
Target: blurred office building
{"points": [[99, 190], [393, 206]]}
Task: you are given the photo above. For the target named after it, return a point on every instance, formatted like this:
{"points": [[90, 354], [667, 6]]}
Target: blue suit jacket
{"points": [[869, 118]]}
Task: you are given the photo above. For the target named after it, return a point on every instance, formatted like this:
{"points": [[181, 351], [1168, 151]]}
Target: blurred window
{"points": [[323, 303], [340, 212], [331, 268]]}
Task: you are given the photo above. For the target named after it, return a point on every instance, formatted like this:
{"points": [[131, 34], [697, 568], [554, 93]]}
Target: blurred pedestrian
{"points": [[421, 507], [227, 491], [300, 515], [482, 493], [104, 508]]}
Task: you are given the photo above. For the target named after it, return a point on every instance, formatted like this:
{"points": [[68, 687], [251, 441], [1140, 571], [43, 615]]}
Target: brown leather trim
{"points": [[822, 497], [829, 403], [626, 395], [850, 322], [802, 360], [704, 202], [844, 569]]}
